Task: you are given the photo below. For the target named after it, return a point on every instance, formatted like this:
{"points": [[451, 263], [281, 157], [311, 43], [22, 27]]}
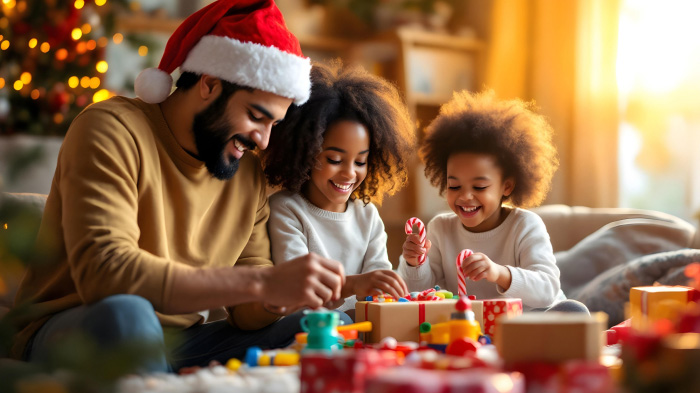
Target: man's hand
{"points": [[412, 249], [375, 282], [307, 281]]}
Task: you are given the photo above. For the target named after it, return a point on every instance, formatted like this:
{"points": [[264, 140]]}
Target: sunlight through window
{"points": [[658, 74]]}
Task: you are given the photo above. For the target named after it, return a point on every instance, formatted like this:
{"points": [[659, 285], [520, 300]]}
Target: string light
{"points": [[94, 82], [33, 42], [85, 82], [86, 28], [4, 45], [5, 226], [100, 3], [79, 4], [143, 50], [61, 54], [101, 66], [73, 82], [118, 38], [91, 45], [26, 77], [76, 34], [101, 95], [2, 83], [58, 118], [45, 47], [18, 85], [35, 94]]}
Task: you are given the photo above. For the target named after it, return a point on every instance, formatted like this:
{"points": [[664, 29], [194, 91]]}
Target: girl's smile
{"points": [[341, 166]]}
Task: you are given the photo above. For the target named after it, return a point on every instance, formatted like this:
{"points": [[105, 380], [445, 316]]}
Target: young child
{"points": [[490, 157], [333, 157]]}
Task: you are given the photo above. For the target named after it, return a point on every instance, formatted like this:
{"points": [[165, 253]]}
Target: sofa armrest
{"points": [[568, 225]]}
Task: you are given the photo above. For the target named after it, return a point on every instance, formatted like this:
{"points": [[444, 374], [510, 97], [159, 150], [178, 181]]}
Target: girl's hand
{"points": [[376, 282], [412, 249], [478, 266]]}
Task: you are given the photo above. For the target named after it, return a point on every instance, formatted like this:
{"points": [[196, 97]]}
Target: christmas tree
{"points": [[52, 61]]}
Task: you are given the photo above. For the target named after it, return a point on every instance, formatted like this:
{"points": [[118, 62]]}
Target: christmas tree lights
{"points": [[52, 61]]}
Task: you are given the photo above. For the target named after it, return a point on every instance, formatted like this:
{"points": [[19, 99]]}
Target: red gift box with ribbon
{"points": [[410, 380], [496, 308], [342, 371]]}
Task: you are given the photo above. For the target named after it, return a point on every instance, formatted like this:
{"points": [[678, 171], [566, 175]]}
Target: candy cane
{"points": [[421, 234], [460, 273]]}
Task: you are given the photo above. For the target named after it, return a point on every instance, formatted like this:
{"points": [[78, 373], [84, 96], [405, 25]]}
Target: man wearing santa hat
{"points": [[156, 218]]}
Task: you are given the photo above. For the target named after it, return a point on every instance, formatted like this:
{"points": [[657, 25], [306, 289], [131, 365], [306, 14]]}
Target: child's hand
{"points": [[478, 266], [376, 282], [412, 249]]}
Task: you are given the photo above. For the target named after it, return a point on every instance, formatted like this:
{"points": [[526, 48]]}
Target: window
{"points": [[658, 73]]}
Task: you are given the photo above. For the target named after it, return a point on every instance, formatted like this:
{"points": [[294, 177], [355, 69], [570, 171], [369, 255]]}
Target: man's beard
{"points": [[211, 135]]}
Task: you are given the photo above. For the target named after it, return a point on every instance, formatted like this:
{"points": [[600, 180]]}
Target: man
{"points": [[154, 201]]}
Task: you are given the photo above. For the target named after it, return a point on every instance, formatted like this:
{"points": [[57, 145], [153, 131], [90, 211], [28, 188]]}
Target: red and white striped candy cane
{"points": [[462, 283], [421, 234]]}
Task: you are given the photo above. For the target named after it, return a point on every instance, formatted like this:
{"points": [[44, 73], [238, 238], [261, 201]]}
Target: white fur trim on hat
{"points": [[153, 85], [249, 64]]}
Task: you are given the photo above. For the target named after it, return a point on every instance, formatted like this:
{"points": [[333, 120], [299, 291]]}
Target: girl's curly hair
{"points": [[343, 93], [519, 138]]}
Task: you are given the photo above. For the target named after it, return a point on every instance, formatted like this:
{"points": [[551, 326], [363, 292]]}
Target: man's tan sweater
{"points": [[126, 204]]}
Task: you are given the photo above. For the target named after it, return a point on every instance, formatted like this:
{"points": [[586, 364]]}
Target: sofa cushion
{"points": [[615, 244], [20, 217], [568, 225], [609, 291]]}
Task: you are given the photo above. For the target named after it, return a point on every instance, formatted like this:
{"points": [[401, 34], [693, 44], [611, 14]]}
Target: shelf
{"points": [[143, 23], [418, 37]]}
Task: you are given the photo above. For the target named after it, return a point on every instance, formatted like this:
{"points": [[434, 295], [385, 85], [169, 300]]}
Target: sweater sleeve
{"points": [[98, 166], [286, 231], [376, 257], [254, 316], [535, 278], [430, 273]]}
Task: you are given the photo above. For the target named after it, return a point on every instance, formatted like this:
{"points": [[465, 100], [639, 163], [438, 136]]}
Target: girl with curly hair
{"points": [[492, 158], [333, 157]]}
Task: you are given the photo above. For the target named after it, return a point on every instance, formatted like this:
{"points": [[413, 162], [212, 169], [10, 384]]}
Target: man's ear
{"points": [[508, 186], [209, 87]]}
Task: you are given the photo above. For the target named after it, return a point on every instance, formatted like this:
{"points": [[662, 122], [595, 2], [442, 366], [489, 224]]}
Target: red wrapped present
{"points": [[408, 380], [342, 371], [579, 376], [496, 308]]}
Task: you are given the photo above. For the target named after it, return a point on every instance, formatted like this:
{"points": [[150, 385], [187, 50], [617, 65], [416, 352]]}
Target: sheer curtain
{"points": [[562, 54]]}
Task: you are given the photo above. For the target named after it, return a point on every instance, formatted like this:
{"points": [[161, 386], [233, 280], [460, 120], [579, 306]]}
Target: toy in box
{"points": [[402, 320]]}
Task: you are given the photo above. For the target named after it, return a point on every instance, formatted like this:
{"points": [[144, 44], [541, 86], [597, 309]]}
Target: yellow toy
{"points": [[462, 325]]}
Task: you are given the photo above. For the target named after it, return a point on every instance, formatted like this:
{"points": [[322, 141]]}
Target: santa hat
{"points": [[245, 42]]}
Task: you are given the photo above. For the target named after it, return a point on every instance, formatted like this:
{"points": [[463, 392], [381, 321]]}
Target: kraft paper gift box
{"points": [[651, 303], [551, 337], [401, 320], [497, 308]]}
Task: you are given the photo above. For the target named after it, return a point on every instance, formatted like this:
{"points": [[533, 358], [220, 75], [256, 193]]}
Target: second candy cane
{"points": [[461, 282]]}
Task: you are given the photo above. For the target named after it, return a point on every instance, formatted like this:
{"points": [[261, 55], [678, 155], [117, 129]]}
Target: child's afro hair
{"points": [[519, 138], [343, 93]]}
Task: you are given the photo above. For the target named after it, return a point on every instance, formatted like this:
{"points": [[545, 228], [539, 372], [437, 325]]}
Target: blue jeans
{"points": [[125, 319], [568, 305]]}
